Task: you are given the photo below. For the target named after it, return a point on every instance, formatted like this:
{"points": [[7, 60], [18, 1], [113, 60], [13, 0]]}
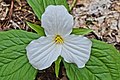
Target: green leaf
{"points": [[81, 31], [57, 66], [36, 28], [14, 64], [39, 6], [104, 64]]}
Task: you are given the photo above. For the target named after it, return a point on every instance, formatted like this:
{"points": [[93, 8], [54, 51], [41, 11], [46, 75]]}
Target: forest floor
{"points": [[102, 16]]}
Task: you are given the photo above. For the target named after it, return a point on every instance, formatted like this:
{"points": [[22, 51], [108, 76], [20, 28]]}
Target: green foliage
{"points": [[14, 64], [57, 66], [76, 31], [39, 6], [104, 64], [36, 28], [81, 31]]}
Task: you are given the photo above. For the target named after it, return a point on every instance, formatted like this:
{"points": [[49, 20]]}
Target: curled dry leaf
{"points": [[3, 10]]}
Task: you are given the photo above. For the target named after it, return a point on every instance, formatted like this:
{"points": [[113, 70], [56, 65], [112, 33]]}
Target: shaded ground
{"points": [[103, 18]]}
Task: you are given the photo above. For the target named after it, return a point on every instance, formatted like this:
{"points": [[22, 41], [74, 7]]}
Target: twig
{"points": [[118, 22], [73, 4], [11, 9]]}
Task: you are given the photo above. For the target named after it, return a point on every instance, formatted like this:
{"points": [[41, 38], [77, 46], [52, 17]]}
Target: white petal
{"points": [[43, 52], [76, 49], [57, 21]]}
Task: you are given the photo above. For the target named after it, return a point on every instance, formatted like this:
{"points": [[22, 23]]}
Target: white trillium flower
{"points": [[58, 24]]}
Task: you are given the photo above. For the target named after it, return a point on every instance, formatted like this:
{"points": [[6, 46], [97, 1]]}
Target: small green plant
{"points": [[23, 53]]}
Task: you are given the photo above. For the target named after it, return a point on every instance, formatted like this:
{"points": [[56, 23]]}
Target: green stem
{"points": [[73, 4]]}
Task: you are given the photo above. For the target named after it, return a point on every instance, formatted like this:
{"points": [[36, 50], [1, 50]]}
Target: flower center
{"points": [[58, 39]]}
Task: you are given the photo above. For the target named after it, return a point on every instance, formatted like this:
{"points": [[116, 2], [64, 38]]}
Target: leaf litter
{"points": [[102, 16]]}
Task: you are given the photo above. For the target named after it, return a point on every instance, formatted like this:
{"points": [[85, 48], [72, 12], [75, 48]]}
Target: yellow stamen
{"points": [[58, 39]]}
